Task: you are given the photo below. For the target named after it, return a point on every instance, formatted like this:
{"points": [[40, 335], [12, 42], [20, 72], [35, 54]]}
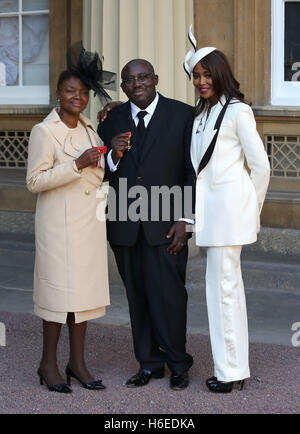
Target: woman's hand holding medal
{"points": [[88, 158]]}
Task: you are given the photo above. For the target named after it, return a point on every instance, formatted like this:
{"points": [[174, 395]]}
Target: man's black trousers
{"points": [[157, 298]]}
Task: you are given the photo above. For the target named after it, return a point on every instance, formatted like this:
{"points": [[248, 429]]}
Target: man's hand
{"points": [[102, 115], [180, 237], [119, 145]]}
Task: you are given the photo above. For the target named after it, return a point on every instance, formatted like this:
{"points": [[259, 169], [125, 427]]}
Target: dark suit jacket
{"points": [[165, 161]]}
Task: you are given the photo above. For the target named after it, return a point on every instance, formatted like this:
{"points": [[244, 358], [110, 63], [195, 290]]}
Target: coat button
{"points": [[87, 192]]}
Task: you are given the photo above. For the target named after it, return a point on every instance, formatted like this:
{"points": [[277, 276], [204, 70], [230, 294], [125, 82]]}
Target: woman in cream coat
{"points": [[70, 277], [228, 205]]}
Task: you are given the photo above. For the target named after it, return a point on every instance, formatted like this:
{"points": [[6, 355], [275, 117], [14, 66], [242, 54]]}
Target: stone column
{"points": [[252, 48], [102, 35], [155, 30]]}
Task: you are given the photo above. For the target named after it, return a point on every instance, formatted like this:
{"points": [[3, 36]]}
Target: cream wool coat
{"points": [[228, 199], [71, 255]]}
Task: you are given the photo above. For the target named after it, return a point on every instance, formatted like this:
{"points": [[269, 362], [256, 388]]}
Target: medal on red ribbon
{"points": [[101, 150]]}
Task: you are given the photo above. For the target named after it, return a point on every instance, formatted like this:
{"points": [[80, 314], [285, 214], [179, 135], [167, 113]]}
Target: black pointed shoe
{"points": [[179, 381], [221, 387], [93, 385], [144, 376], [60, 388]]}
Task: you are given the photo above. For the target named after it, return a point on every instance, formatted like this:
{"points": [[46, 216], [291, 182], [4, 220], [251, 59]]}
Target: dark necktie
{"points": [[141, 129]]}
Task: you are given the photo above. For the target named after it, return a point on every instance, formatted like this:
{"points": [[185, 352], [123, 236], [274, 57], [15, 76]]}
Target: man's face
{"points": [[139, 83]]}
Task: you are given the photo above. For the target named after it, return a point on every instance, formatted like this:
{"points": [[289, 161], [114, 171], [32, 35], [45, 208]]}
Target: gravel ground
{"points": [[274, 386]]}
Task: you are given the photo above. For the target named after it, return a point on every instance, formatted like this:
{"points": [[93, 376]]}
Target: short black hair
{"points": [[65, 75], [138, 61]]}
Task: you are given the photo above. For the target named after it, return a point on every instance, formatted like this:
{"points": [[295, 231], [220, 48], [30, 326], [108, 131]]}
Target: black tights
{"points": [[48, 365]]}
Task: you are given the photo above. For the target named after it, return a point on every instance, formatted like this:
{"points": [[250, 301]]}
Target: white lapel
{"points": [[207, 135], [209, 131], [194, 141]]}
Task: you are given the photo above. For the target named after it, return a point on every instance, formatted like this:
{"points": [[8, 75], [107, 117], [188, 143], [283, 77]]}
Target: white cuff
{"points": [[190, 221], [112, 167]]}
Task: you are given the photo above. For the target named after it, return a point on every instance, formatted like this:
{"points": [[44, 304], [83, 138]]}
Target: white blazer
{"points": [[228, 199]]}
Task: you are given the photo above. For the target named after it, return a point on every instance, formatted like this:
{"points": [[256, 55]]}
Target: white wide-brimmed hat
{"points": [[194, 56]]}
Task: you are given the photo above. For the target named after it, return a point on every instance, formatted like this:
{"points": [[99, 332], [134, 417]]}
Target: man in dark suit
{"points": [[151, 250]]}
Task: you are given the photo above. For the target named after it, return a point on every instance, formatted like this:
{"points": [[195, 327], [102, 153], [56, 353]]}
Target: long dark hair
{"points": [[224, 82]]}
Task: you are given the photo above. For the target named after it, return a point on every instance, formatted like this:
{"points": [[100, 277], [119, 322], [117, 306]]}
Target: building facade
{"points": [[260, 38]]}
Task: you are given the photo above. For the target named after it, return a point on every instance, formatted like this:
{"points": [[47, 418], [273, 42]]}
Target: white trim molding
{"points": [[283, 93], [21, 93]]}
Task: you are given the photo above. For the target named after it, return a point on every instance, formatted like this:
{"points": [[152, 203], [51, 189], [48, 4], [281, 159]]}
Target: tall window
{"points": [[285, 52], [24, 52]]}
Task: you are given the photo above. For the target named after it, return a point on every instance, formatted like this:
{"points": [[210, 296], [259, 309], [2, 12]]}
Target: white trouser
{"points": [[227, 314]]}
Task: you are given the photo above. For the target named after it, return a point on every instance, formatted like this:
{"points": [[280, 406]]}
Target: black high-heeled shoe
{"points": [[93, 385], [219, 387], [60, 388]]}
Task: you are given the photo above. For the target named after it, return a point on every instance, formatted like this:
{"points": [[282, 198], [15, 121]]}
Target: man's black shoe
{"points": [[179, 381], [143, 377]]}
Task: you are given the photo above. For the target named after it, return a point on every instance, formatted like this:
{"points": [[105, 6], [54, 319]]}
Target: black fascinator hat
{"points": [[88, 66]]}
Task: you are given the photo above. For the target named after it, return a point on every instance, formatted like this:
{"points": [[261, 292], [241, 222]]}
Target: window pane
{"points": [[35, 5], [35, 50], [292, 41], [9, 49], [9, 5]]}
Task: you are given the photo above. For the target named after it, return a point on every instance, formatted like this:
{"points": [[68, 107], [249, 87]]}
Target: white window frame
{"points": [[284, 93], [24, 95]]}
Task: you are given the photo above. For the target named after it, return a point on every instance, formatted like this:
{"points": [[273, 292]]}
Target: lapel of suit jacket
{"points": [[210, 131], [158, 123], [194, 141], [56, 127], [60, 132]]}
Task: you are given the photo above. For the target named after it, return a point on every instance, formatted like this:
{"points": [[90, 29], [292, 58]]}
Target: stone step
{"points": [[271, 276], [261, 269], [16, 252], [15, 279]]}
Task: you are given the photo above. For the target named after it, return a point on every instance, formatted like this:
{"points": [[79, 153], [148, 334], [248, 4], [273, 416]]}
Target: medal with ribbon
{"points": [[101, 150]]}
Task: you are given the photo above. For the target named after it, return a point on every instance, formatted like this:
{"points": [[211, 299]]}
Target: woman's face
{"points": [[202, 81], [73, 95]]}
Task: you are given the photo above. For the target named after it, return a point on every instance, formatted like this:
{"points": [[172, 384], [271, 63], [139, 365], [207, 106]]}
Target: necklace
{"points": [[204, 121]]}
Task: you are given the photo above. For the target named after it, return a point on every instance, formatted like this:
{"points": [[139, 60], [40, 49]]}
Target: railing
{"points": [[283, 152], [284, 155], [14, 149]]}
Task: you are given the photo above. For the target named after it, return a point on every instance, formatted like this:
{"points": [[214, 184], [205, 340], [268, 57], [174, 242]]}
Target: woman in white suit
{"points": [[228, 204]]}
